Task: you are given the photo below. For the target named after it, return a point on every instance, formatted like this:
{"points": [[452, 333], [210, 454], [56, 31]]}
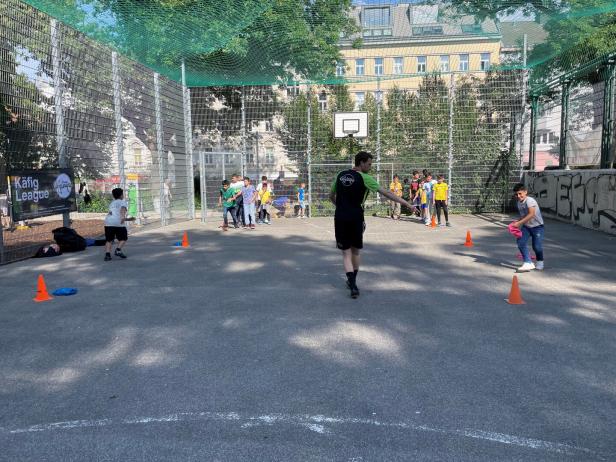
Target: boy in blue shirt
{"points": [[301, 199]]}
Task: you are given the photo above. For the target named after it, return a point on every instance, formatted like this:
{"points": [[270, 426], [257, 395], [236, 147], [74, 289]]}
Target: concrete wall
{"points": [[583, 197]]}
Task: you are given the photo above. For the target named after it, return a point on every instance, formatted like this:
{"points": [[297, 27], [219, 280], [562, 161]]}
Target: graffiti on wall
{"points": [[586, 198]]}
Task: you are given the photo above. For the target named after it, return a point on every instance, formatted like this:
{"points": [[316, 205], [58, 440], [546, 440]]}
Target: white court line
{"points": [[315, 423]]}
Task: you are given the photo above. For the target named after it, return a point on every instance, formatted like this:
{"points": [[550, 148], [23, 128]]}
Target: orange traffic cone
{"points": [[41, 292], [469, 240], [433, 222], [515, 297], [185, 240]]}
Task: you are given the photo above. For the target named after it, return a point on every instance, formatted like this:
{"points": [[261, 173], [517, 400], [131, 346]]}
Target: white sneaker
{"points": [[525, 268], [539, 266]]}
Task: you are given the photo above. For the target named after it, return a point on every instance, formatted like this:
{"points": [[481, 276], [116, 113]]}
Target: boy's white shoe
{"points": [[525, 268], [539, 266]]}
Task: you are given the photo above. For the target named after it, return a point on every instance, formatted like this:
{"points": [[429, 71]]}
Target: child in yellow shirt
{"points": [[422, 197], [265, 197], [441, 198]]}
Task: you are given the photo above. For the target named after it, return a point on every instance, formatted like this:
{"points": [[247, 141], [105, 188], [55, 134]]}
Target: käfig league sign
{"points": [[40, 193]]}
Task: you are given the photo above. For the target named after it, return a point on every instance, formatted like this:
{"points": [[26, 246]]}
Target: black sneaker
{"points": [[354, 291], [107, 257], [119, 253]]}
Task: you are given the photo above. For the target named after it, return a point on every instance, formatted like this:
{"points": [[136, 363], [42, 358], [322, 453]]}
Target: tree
{"points": [[235, 41]]}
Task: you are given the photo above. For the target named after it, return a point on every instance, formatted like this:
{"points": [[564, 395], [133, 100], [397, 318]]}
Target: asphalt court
{"points": [[246, 346]]}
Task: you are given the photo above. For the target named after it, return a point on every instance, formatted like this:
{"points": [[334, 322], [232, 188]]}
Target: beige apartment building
{"points": [[402, 42]]}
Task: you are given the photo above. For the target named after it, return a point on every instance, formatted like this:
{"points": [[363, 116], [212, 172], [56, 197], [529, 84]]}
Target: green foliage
{"points": [[322, 208], [237, 41], [100, 203]]}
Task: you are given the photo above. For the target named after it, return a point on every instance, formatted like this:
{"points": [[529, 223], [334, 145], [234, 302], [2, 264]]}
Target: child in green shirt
{"points": [[227, 197]]}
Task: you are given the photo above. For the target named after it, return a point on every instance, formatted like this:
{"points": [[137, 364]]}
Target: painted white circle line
{"points": [[316, 423]]}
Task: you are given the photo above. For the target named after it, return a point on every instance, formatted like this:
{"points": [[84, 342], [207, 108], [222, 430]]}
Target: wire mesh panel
{"points": [[585, 125], [175, 187], [28, 135], [88, 122], [68, 101], [547, 139], [139, 142]]}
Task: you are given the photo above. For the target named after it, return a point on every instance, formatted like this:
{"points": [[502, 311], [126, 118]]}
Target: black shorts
{"points": [[116, 232], [349, 233]]}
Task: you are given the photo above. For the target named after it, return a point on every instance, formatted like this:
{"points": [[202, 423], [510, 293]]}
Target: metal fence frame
{"points": [[59, 41], [604, 66]]}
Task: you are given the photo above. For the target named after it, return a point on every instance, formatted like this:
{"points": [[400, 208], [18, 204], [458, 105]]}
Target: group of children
{"points": [[425, 193], [250, 206], [429, 197]]}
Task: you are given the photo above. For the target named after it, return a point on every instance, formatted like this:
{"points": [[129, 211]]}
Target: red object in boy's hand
{"points": [[515, 231]]}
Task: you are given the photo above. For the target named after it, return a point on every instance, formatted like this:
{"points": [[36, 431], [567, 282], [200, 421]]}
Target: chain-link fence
{"points": [[68, 101], [572, 119], [462, 126]]}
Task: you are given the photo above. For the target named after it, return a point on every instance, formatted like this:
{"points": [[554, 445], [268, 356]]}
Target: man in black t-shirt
{"points": [[348, 193]]}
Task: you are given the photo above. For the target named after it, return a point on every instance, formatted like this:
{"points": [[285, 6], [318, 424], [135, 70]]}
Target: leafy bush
{"points": [[100, 203]]}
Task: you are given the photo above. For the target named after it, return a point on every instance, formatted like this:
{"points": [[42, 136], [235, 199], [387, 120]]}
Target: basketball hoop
{"points": [[350, 125]]}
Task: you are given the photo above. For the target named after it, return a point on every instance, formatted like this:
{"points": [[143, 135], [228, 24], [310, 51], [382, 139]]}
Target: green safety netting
{"points": [[250, 42]]}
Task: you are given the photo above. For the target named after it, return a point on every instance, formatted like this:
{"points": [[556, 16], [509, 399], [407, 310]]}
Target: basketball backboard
{"points": [[350, 124]]}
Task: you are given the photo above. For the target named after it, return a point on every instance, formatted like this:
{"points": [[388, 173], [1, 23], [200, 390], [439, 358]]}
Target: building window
{"points": [[378, 66], [250, 158], [341, 68], [398, 65], [428, 30], [208, 159], [471, 28], [377, 17], [269, 155], [293, 91], [421, 64], [368, 33], [359, 67], [137, 157], [463, 63], [444, 63], [360, 99], [323, 101], [485, 61]]}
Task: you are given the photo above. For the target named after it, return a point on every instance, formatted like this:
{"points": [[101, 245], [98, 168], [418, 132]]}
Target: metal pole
{"points": [[257, 154], [532, 155], [607, 135], [379, 99], [159, 150], [242, 160], [309, 150], [564, 125], [188, 145], [523, 107], [202, 185], [2, 257], [452, 90], [117, 110], [58, 96]]}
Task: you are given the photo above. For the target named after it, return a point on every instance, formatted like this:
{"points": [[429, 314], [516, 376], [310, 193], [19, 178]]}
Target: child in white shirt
{"points": [[115, 224]]}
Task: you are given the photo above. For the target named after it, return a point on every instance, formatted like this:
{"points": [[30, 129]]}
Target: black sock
{"points": [[108, 253], [351, 278]]}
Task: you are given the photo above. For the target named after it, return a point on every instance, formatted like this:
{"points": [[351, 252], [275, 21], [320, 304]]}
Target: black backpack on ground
{"points": [[69, 240]]}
